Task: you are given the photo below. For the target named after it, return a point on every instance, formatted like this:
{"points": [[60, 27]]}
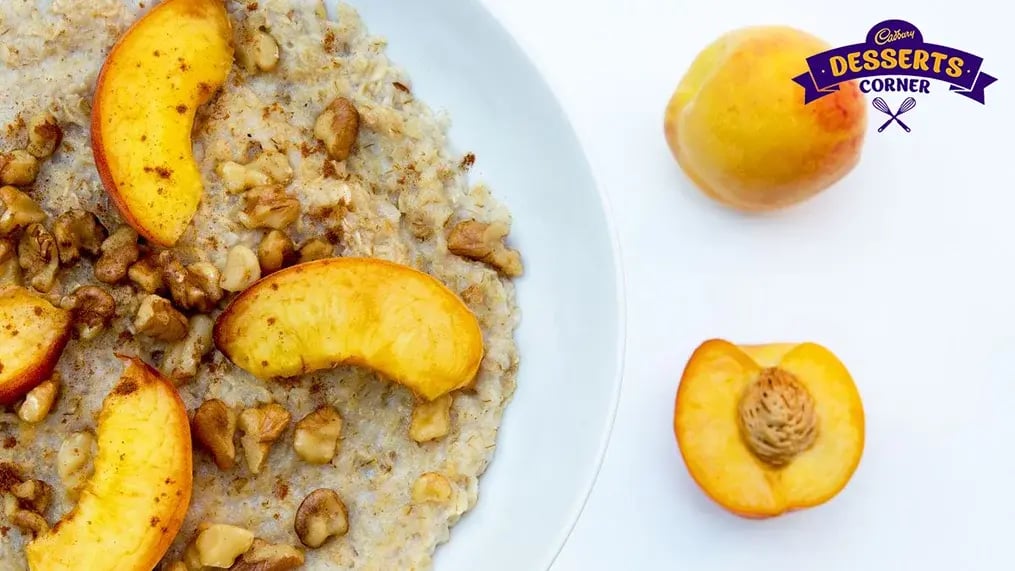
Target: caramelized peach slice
{"points": [[160, 71], [391, 318], [134, 503], [33, 334], [767, 429]]}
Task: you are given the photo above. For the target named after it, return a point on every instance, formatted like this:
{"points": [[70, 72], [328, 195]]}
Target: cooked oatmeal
{"points": [[399, 195]]}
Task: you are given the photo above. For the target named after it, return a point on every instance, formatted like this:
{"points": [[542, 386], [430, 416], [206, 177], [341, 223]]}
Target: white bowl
{"points": [[571, 335]]}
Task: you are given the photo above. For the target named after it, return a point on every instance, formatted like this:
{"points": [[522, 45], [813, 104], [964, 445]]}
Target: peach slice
{"points": [[161, 70], [33, 334], [391, 318], [768, 429], [133, 505]]}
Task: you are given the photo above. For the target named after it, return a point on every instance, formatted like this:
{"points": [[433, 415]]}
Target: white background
{"points": [[904, 269]]}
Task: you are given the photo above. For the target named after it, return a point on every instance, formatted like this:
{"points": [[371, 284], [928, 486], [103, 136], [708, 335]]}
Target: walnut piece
{"points": [[147, 274], [44, 135], [321, 515], [18, 168], [218, 545], [264, 556], [275, 165], [431, 487], [269, 207], [29, 522], [317, 434], [183, 357], [195, 287], [237, 178], [484, 242], [77, 230], [10, 270], [261, 427], [242, 269], [93, 309], [258, 50], [73, 461], [38, 257], [39, 401], [337, 127], [315, 249], [33, 495], [214, 426], [275, 252], [269, 167], [119, 251], [776, 417], [157, 318], [17, 210], [431, 419]]}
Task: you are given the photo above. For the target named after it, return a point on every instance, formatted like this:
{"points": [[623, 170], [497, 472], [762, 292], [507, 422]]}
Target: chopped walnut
{"points": [[73, 461], [275, 252], [485, 243], [242, 269], [77, 230], [39, 401], [219, 545], [33, 495], [338, 127], [147, 274], [275, 165], [264, 556], [10, 270], [431, 487], [315, 249], [18, 168], [29, 522], [261, 427], [157, 318], [214, 426], [258, 50], [431, 419], [269, 167], [17, 210], [237, 178], [183, 357], [38, 257], [269, 207], [119, 251], [93, 309], [44, 135], [317, 434], [194, 287], [321, 515]]}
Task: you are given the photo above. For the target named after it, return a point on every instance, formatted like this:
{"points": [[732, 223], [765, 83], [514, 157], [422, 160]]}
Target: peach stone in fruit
{"points": [[161, 70], [738, 126], [767, 429]]}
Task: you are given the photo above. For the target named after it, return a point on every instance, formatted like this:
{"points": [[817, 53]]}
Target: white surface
{"points": [[555, 429], [904, 270]]}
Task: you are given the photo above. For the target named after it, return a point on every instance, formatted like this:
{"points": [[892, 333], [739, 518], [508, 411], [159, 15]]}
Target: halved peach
{"points": [[391, 318], [767, 429], [133, 505], [160, 71], [33, 334]]}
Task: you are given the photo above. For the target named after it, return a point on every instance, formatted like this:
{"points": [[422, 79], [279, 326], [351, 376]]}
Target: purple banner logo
{"points": [[895, 48]]}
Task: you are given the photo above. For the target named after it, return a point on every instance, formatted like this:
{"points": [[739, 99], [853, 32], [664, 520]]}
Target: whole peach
{"points": [[738, 126]]}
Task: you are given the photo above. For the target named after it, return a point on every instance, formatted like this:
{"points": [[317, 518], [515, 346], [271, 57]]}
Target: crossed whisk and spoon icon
{"points": [[907, 105]]}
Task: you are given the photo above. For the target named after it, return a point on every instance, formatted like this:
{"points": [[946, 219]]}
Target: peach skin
{"points": [[738, 126], [768, 429], [135, 500]]}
